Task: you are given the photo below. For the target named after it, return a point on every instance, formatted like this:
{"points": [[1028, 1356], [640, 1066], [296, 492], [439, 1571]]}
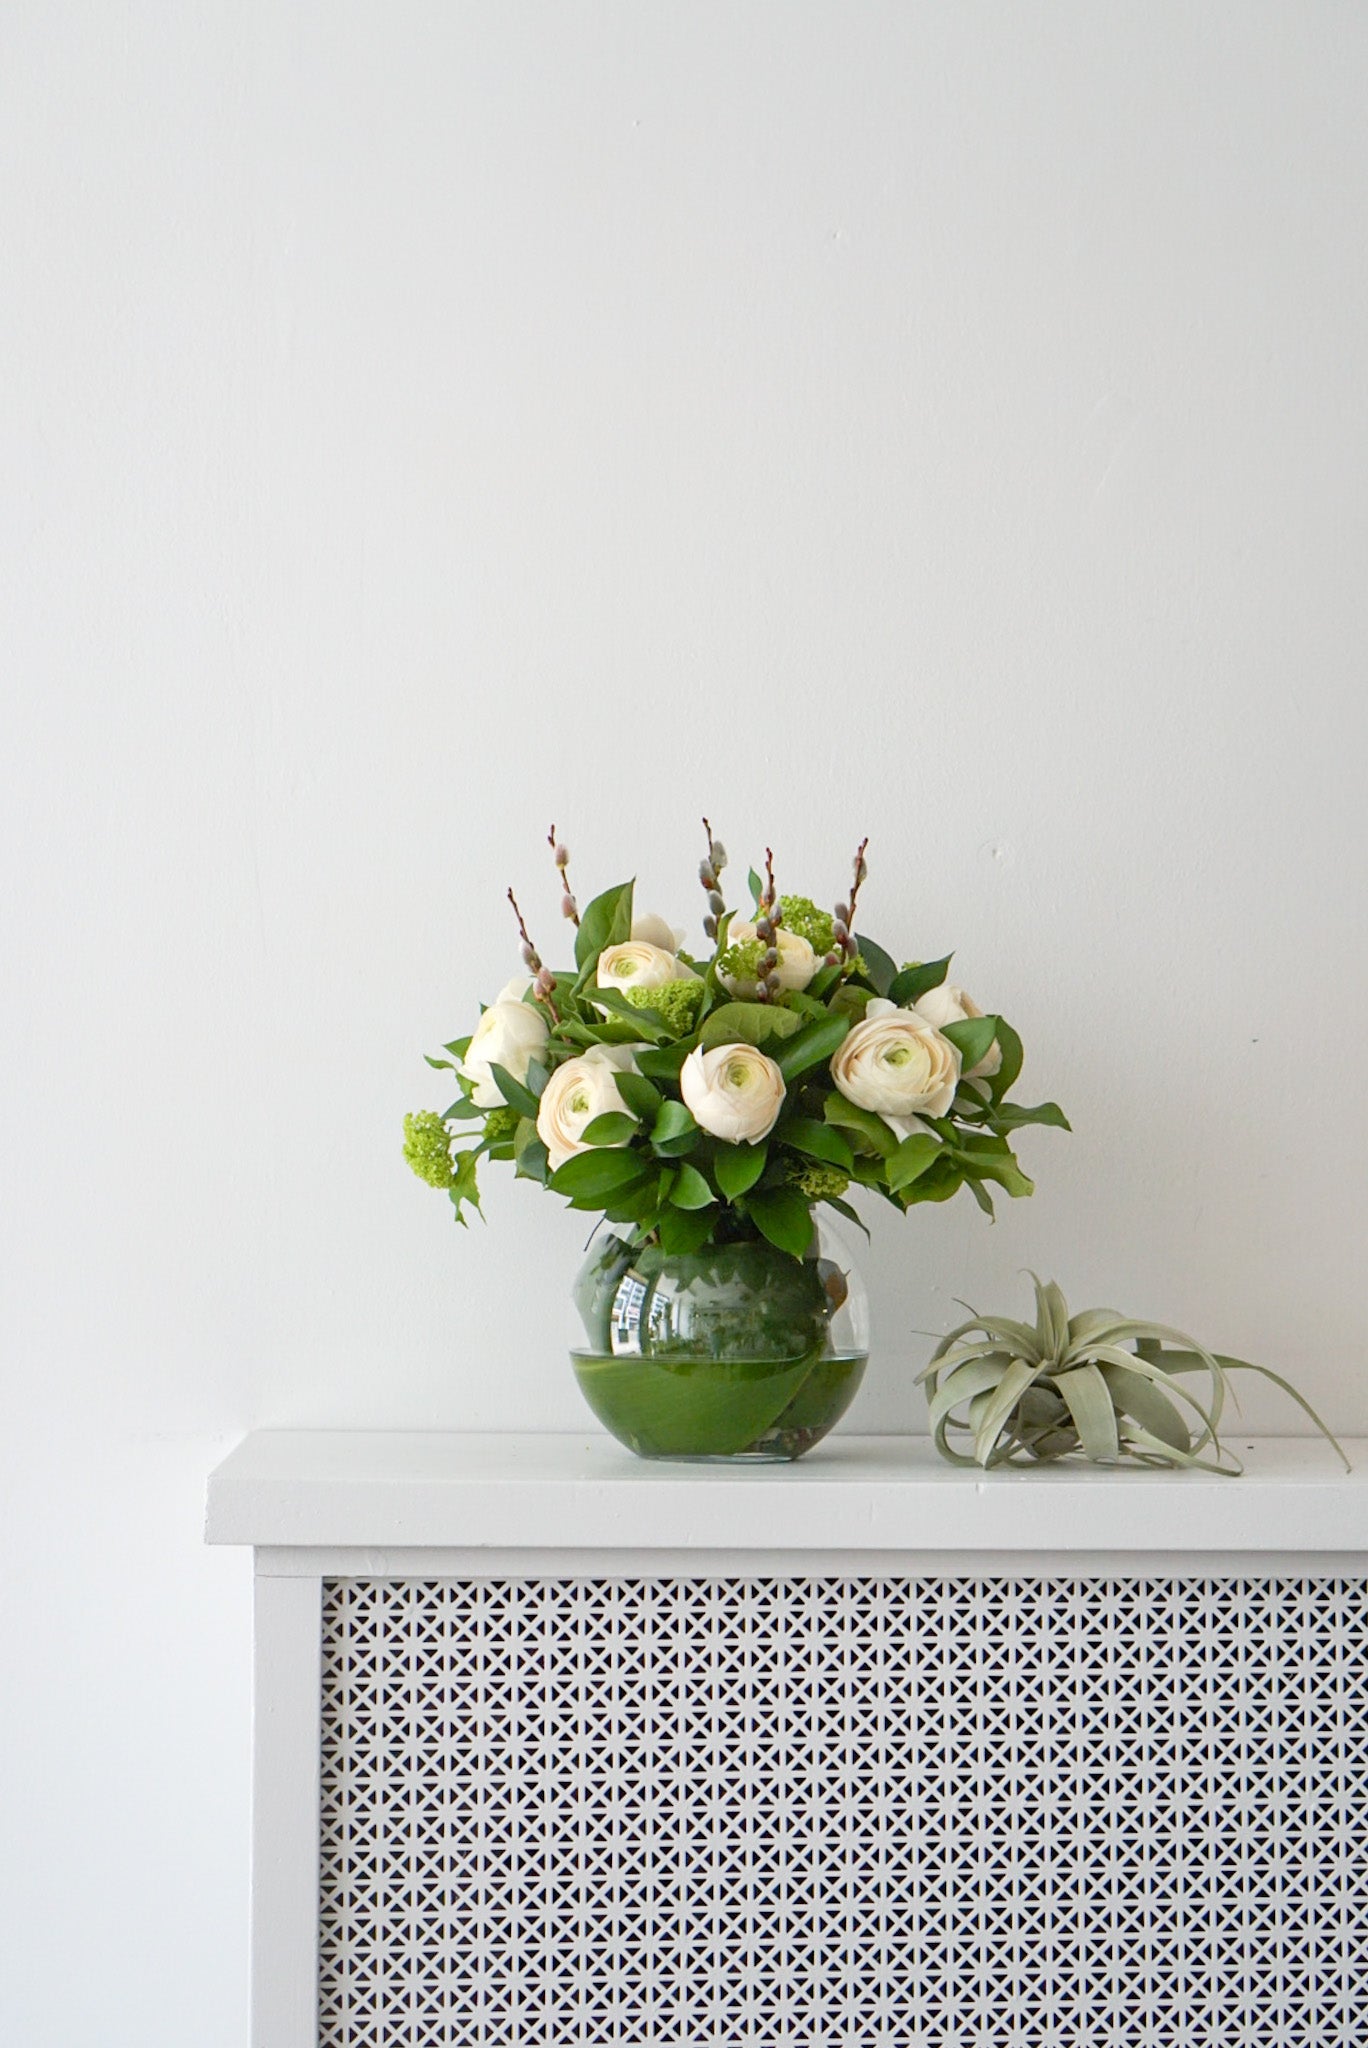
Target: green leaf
{"points": [[684, 1230], [757, 888], [849, 1116], [662, 1062], [1012, 1116], [882, 969], [1006, 1172], [439, 1064], [1012, 1057], [464, 1186], [537, 1077], [748, 1024], [973, 1036], [610, 1129], [815, 1042], [738, 1167], [817, 1140], [843, 1208], [674, 1121], [529, 1153], [647, 1024], [942, 1179], [513, 1092], [635, 1204], [674, 1131], [640, 1097], [607, 921], [458, 1047], [596, 1175], [912, 1159], [910, 984], [690, 1190], [462, 1110], [784, 1217]]}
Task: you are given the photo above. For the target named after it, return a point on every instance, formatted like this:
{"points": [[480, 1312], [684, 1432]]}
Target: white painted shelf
{"points": [[297, 1492]]}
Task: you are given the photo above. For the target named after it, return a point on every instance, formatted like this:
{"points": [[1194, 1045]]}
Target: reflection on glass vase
{"points": [[735, 1351]]}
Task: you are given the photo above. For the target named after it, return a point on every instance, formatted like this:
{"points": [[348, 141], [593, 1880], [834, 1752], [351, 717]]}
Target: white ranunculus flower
{"points": [[656, 932], [797, 961], [509, 1035], [579, 1091], [950, 1005], [896, 1064], [734, 1091], [637, 963], [513, 991]]}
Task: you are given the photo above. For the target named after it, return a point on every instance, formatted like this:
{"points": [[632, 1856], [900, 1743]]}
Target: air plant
{"points": [[1071, 1385]]}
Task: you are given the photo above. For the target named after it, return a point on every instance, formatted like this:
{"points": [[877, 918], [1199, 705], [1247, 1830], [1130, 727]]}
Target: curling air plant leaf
{"points": [[1097, 1384]]}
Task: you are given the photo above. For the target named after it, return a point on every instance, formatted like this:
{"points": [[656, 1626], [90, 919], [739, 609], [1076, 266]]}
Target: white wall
{"points": [[420, 423]]}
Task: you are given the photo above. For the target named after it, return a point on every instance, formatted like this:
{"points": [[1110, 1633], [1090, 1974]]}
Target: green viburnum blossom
{"points": [[817, 1180], [741, 962], [818, 927], [427, 1147], [501, 1124], [676, 1003]]}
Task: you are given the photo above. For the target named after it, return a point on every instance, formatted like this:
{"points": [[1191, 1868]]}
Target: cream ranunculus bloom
{"points": [[576, 1093], [638, 963], [510, 1035], [950, 1005], [734, 1092], [656, 932], [898, 1065], [797, 961]]}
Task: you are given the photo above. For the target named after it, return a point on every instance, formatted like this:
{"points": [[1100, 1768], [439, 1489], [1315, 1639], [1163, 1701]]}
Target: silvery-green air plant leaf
{"points": [[1097, 1385]]}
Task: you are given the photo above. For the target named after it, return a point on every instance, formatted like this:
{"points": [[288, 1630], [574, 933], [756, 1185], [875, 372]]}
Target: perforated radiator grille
{"points": [[802, 1812]]}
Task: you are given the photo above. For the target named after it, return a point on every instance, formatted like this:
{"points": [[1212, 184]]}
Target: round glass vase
{"points": [[737, 1351]]}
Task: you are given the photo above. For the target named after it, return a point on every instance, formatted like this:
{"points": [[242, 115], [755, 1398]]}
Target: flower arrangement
{"points": [[1097, 1383], [720, 1095]]}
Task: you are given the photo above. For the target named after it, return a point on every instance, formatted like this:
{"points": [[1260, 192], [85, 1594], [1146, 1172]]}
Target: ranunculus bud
{"points": [[796, 961], [581, 1090], [950, 1005], [636, 963], [511, 1034], [654, 930], [733, 1091], [898, 1065]]}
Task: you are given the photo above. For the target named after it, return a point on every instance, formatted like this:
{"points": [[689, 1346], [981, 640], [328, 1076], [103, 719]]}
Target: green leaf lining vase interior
{"points": [[734, 1351]]}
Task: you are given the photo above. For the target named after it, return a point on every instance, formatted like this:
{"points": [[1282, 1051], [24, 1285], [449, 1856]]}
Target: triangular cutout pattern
{"points": [[845, 1813]]}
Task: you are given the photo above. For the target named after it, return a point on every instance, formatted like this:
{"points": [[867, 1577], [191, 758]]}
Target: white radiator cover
{"points": [[556, 1748], [808, 1811]]}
